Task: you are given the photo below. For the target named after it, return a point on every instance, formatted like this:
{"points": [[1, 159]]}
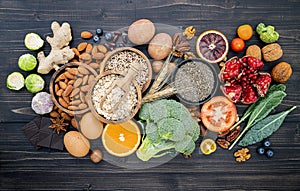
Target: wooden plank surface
{"points": [[24, 168]]}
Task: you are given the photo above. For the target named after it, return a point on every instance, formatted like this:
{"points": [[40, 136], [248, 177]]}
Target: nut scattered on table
{"points": [[242, 155], [189, 32], [254, 51], [281, 72], [272, 52]]}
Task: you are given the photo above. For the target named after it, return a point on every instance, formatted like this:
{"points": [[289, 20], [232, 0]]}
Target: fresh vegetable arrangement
{"points": [[103, 90]]}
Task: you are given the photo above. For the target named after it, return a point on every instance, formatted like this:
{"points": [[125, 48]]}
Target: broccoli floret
{"points": [[267, 34], [151, 131], [171, 129]]}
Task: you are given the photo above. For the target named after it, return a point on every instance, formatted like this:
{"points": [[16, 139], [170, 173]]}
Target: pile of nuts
{"points": [[242, 155], [225, 139], [91, 55], [58, 113], [71, 87]]}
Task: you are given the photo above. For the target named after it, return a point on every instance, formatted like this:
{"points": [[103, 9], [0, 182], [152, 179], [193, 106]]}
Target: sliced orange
{"points": [[121, 139], [208, 146]]}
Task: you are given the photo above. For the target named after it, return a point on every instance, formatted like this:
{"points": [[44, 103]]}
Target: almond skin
{"points": [[86, 34]]}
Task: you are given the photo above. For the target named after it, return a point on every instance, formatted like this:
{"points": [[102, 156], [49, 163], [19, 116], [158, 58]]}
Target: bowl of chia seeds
{"points": [[195, 81]]}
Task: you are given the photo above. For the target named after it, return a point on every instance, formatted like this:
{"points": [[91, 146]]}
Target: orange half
{"points": [[122, 139]]}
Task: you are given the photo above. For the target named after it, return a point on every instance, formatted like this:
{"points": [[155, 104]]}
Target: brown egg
{"points": [[90, 126], [160, 46], [76, 144], [96, 156], [141, 31]]}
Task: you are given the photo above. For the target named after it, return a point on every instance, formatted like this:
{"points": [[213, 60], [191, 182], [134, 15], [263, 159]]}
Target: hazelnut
{"points": [[272, 52], [254, 51], [157, 65], [96, 156], [281, 72]]}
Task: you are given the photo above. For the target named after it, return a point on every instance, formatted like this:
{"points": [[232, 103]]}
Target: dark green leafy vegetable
{"points": [[264, 128], [262, 109]]}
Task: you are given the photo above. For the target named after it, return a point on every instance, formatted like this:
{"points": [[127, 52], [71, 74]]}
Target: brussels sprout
{"points": [[33, 41], [15, 81], [34, 83], [27, 62], [42, 103]]}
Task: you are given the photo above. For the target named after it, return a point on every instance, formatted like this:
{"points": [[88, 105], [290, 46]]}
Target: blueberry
{"points": [[267, 143], [108, 36], [260, 150], [96, 38], [269, 153], [99, 32]]}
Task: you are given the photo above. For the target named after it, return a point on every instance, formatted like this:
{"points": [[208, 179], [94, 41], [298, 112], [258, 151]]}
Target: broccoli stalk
{"points": [[149, 150]]}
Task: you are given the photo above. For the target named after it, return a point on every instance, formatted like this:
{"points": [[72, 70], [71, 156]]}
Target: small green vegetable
{"points": [[264, 128], [34, 83], [267, 34], [33, 41], [15, 81], [27, 62], [169, 128]]}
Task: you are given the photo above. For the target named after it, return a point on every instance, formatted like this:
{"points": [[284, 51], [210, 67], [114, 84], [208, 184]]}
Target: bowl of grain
{"points": [[69, 86], [120, 60], [195, 81], [101, 101]]}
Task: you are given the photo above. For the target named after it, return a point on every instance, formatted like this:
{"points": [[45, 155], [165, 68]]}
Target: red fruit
{"points": [[237, 44], [233, 92], [249, 95], [243, 82], [231, 70], [262, 83], [254, 63]]}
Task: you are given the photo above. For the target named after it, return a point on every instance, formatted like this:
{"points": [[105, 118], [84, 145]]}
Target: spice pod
{"points": [[69, 86], [195, 81], [120, 60], [100, 100]]}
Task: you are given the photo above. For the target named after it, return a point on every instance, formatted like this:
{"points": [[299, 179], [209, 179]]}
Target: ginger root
{"points": [[60, 51]]}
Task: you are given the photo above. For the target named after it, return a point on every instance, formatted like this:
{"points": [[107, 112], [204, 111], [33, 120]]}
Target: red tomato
{"points": [[218, 114], [237, 44]]}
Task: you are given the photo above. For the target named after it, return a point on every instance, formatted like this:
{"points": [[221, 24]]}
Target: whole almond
{"points": [[85, 88], [71, 82], [83, 70], [63, 102], [54, 114], [82, 106], [74, 123], [76, 51], [60, 77], [62, 85], [102, 49], [81, 46], [85, 56], [69, 75], [68, 90], [59, 92], [77, 82], [98, 56], [94, 50], [75, 92], [73, 71], [89, 48], [86, 34], [56, 88]]}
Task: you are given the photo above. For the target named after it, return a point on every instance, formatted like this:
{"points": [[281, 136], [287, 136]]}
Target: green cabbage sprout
{"points": [[34, 83], [27, 62]]}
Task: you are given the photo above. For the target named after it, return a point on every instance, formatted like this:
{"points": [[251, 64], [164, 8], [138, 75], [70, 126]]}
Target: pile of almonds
{"points": [[72, 85]]}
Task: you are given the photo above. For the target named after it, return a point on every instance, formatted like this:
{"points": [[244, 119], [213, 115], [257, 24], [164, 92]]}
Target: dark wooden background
{"points": [[23, 167]]}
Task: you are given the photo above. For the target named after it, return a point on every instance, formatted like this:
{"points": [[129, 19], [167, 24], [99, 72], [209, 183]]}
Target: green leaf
{"points": [[265, 107], [264, 128]]}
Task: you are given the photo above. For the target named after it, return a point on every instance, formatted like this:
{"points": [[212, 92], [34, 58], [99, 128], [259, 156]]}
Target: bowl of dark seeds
{"points": [[195, 81]]}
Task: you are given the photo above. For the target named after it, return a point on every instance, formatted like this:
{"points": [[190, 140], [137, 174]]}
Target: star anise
{"points": [[58, 125]]}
